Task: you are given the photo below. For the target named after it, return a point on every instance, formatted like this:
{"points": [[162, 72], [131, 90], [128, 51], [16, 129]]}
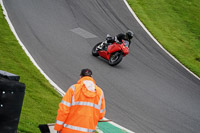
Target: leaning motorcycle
{"points": [[114, 52]]}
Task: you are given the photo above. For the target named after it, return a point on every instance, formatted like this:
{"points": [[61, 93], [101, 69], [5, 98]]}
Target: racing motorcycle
{"points": [[111, 50]]}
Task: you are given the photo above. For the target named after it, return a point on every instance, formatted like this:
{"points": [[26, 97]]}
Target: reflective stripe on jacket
{"points": [[80, 109]]}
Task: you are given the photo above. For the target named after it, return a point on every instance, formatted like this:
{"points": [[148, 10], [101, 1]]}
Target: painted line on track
{"points": [[56, 87]]}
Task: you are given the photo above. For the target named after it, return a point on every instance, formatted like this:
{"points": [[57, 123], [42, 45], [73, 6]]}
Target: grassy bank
{"points": [[175, 24], [41, 100]]}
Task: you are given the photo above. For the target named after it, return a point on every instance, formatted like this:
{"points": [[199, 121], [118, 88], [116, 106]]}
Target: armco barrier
{"points": [[11, 99]]}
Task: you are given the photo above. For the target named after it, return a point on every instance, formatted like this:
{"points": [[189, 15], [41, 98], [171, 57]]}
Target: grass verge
{"points": [[41, 100], [175, 24]]}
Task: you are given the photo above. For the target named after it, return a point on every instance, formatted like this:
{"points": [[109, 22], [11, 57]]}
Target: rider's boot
{"points": [[100, 47], [105, 47]]}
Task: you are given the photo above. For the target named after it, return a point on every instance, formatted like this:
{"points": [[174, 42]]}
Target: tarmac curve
{"points": [[148, 92]]}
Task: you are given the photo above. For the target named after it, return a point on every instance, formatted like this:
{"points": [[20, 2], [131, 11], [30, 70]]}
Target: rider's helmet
{"points": [[129, 34], [109, 38], [86, 72]]}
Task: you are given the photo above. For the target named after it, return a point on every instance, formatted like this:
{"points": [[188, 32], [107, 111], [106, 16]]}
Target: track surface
{"points": [[148, 92]]}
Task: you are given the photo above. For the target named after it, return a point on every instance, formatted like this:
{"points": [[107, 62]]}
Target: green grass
{"points": [[175, 24], [41, 100]]}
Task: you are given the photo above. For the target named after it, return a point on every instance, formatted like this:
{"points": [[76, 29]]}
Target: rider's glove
{"points": [[116, 40]]}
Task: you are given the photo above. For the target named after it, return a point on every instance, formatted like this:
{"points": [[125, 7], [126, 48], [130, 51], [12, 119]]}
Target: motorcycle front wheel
{"points": [[115, 58], [95, 50]]}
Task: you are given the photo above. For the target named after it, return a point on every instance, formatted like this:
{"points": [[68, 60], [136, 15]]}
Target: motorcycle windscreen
{"points": [[125, 47]]}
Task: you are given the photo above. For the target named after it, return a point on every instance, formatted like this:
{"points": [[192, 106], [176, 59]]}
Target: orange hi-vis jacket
{"points": [[81, 109]]}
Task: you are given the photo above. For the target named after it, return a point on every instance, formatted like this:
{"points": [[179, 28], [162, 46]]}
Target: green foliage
{"points": [[175, 24]]}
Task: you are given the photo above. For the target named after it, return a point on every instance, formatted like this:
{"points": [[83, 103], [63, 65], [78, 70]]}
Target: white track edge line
{"points": [[120, 127], [133, 13], [56, 87], [99, 131]]}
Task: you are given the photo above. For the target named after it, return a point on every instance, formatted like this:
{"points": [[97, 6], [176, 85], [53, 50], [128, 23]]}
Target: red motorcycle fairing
{"points": [[125, 50], [113, 48]]}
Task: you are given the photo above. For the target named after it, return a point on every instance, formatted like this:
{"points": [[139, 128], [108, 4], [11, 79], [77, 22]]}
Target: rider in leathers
{"points": [[118, 38]]}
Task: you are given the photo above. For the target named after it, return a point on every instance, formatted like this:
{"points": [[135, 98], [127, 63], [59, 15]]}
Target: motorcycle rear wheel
{"points": [[94, 50], [115, 58]]}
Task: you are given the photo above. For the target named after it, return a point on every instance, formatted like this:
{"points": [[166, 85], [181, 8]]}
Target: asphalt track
{"points": [[148, 92]]}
